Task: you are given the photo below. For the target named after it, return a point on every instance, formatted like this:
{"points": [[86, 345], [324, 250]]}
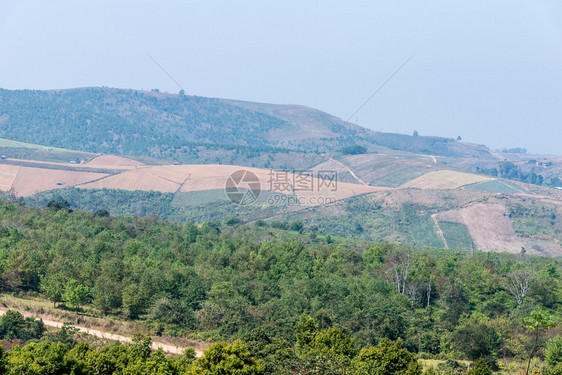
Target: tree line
{"points": [[217, 281]]}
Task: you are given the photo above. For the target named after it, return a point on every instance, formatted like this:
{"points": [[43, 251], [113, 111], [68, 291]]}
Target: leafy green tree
{"points": [[3, 360], [333, 342], [135, 301], [477, 340], [107, 293], [66, 334], [53, 285], [41, 358], [14, 326], [553, 353], [353, 150], [58, 205], [388, 357], [479, 367], [305, 331], [157, 364], [537, 322], [76, 294], [225, 359]]}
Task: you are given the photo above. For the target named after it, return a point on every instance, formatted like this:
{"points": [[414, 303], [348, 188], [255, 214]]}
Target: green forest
{"points": [[286, 297], [193, 129]]}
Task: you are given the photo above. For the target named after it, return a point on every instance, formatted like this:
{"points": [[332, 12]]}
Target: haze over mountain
{"points": [[170, 126], [487, 71]]}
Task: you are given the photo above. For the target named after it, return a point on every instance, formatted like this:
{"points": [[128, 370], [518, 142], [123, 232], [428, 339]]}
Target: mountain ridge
{"points": [[127, 121]]}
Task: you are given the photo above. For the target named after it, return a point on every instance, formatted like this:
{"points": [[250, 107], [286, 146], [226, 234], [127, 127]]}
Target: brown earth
{"points": [[30, 181], [8, 175], [488, 225], [113, 160], [168, 348], [444, 179]]}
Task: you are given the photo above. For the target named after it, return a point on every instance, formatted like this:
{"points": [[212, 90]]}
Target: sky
{"points": [[488, 71]]}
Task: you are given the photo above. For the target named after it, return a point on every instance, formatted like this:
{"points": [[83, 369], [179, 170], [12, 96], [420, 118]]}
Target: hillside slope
{"points": [[173, 126], [401, 200]]}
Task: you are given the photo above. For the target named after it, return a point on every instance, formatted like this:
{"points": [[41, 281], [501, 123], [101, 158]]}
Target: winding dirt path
{"points": [[349, 170], [438, 230], [168, 348]]}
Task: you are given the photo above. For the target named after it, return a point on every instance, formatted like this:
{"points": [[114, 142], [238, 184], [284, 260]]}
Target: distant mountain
{"points": [[175, 127]]}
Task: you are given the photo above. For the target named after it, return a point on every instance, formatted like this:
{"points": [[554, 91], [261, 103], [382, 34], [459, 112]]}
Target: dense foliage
{"points": [[328, 352], [353, 150], [259, 284]]}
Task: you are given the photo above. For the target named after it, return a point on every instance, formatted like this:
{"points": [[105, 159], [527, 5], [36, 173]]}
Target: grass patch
{"points": [[399, 177], [535, 219], [456, 235], [497, 186], [196, 198]]}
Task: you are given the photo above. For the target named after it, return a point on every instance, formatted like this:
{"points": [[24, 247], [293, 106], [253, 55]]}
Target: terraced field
{"points": [[381, 197], [445, 179]]}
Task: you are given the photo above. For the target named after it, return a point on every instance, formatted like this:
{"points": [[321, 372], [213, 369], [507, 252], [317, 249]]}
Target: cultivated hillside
{"points": [[396, 199]]}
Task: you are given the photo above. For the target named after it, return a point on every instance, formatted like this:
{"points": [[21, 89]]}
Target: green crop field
{"points": [[456, 235], [497, 186], [399, 177]]}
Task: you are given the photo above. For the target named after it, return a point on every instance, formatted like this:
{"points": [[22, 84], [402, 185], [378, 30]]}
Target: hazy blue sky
{"points": [[490, 71]]}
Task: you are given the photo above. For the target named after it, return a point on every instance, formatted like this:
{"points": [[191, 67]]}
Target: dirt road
{"points": [[349, 170], [438, 231], [107, 335]]}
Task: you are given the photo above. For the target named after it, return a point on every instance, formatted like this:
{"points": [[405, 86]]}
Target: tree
{"points": [[479, 367], [58, 205], [538, 321], [53, 285], [14, 326], [106, 293], [333, 342], [134, 300], [400, 262], [519, 283], [305, 330], [40, 358], [477, 340], [76, 294], [225, 359], [66, 335], [389, 358], [353, 150], [553, 354]]}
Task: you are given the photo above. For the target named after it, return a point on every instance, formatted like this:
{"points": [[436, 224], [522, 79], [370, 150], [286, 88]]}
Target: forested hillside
{"points": [[192, 129], [258, 282]]}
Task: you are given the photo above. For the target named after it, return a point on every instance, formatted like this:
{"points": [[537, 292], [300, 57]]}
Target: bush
{"points": [[388, 357], [553, 354], [353, 150], [480, 368]]}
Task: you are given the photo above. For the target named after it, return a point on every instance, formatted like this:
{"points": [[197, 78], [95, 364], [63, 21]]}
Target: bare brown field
{"points": [[8, 174], [489, 226], [113, 161], [55, 165], [146, 178], [190, 178], [168, 179], [31, 181], [444, 179]]}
